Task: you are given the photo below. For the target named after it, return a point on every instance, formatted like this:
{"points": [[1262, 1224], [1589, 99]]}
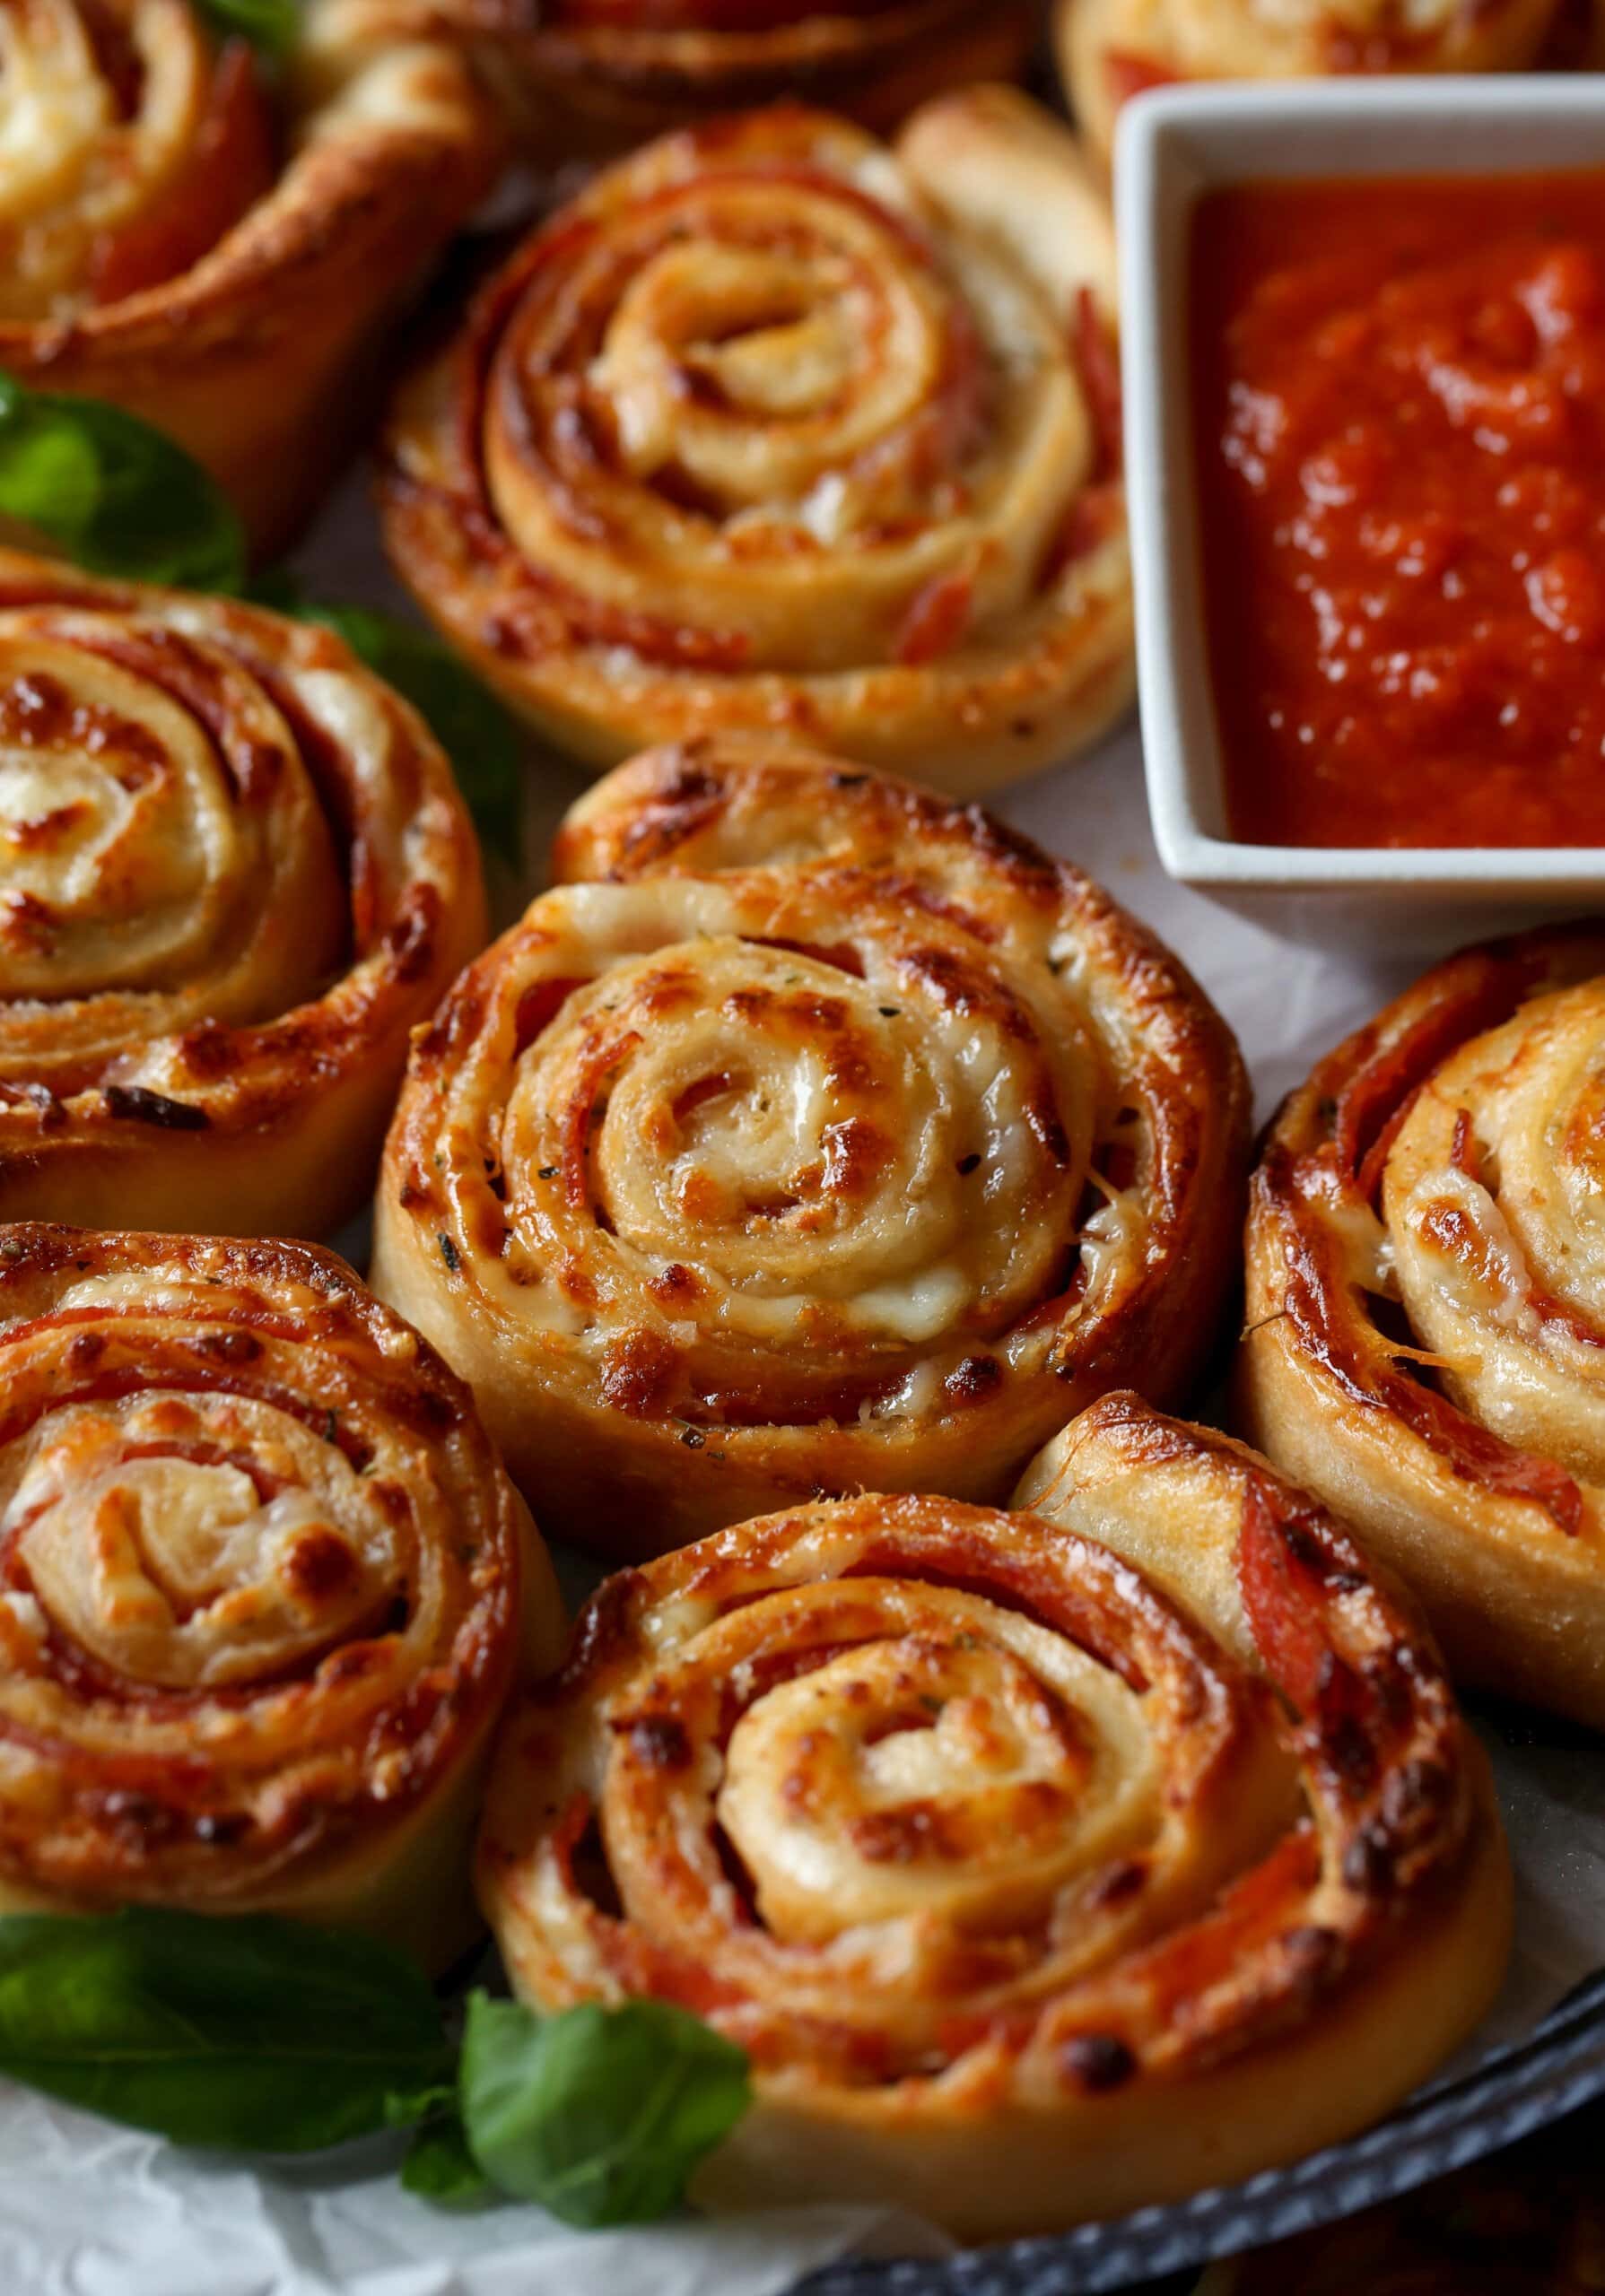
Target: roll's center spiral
{"points": [[115, 832], [759, 397], [749, 368], [164, 853], [761, 1129], [749, 1131], [857, 1772], [904, 1776], [183, 1542]]}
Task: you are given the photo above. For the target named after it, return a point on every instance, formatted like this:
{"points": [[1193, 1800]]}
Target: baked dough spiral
{"points": [[1110, 50], [775, 429], [585, 77], [181, 235], [1036, 1888], [839, 1140], [234, 872], [1426, 1304], [264, 1589]]}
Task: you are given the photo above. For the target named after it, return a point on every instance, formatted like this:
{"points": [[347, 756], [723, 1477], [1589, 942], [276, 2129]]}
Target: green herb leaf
{"points": [[404, 2108], [439, 2167], [270, 25], [250, 2031], [114, 494], [480, 737], [599, 2114]]}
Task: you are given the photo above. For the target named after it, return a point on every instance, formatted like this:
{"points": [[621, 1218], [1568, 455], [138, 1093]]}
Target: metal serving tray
{"points": [[1509, 2093]]}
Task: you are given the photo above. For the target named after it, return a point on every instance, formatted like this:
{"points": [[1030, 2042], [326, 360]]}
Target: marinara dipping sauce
{"points": [[1399, 430]]}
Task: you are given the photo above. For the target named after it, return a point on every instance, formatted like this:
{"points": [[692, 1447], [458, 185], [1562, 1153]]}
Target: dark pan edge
{"points": [[1512, 2093]]}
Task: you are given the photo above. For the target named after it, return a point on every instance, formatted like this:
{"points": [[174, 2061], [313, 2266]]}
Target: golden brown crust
{"points": [[838, 1139], [1424, 1332], [1033, 1891], [264, 1589], [252, 352], [1110, 50], [772, 428], [236, 872], [583, 79]]}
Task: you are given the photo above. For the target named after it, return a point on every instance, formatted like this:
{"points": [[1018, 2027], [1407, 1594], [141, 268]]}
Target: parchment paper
{"points": [[90, 2210]]}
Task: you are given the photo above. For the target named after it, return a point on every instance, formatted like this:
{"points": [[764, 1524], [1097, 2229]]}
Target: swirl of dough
{"points": [[185, 233], [264, 1589], [588, 77], [234, 873], [104, 115], [834, 1139], [773, 426], [1037, 1885], [1426, 1304], [1110, 50]]}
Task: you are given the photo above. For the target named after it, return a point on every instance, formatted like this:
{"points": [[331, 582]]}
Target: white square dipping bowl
{"points": [[1173, 146]]}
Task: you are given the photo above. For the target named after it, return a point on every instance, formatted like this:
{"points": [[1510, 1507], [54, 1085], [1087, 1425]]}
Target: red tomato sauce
{"points": [[1400, 434]]}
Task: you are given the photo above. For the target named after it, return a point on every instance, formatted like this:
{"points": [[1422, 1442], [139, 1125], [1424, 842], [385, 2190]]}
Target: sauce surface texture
{"points": [[1400, 433]]}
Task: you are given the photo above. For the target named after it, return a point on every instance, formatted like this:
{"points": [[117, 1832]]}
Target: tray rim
{"points": [[1516, 2088]]}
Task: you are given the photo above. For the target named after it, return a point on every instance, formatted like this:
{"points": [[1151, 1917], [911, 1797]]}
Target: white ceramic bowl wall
{"points": [[1173, 146]]}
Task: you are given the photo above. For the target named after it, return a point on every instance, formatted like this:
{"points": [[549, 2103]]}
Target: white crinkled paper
{"points": [[90, 2210]]}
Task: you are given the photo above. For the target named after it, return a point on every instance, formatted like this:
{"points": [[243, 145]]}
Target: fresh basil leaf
{"points": [[116, 495], [248, 2032], [405, 2108], [599, 2114], [439, 2167], [479, 737], [270, 25]]}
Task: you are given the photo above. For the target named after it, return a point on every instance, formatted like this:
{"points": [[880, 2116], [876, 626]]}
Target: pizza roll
{"points": [[264, 1589], [773, 428], [583, 77], [1426, 1343], [1110, 50], [234, 872], [1047, 1865], [212, 246], [836, 1139]]}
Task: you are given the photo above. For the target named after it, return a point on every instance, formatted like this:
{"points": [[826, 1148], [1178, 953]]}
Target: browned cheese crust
{"points": [[217, 250], [1425, 1319], [819, 1134], [1046, 1864], [264, 1589], [234, 872], [776, 429]]}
